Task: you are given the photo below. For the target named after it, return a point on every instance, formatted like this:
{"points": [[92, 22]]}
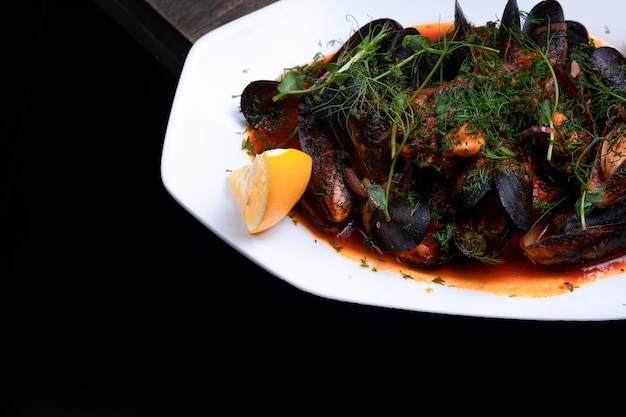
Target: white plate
{"points": [[205, 132]]}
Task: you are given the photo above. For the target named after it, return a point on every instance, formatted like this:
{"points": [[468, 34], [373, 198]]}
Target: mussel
{"points": [[434, 153], [560, 240]]}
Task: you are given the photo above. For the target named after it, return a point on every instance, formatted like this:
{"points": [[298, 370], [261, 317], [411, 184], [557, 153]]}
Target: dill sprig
{"points": [[498, 102], [369, 69]]}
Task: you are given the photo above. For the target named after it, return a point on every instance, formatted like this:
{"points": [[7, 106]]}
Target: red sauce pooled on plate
{"points": [[515, 276]]}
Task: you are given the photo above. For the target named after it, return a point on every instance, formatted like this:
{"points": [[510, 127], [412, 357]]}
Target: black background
{"points": [[115, 301]]}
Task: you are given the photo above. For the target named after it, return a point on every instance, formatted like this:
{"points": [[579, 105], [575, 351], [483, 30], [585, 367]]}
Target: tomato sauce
{"points": [[515, 276]]}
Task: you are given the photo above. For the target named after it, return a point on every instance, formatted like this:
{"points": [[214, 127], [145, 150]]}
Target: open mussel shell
{"points": [[542, 15], [510, 17], [485, 230], [515, 190], [549, 245], [327, 175], [609, 63], [404, 231], [610, 169], [470, 186], [547, 26], [512, 181], [368, 30], [257, 103]]}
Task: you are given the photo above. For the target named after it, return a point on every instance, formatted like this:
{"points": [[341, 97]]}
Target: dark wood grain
{"points": [[194, 18], [151, 30], [167, 29]]}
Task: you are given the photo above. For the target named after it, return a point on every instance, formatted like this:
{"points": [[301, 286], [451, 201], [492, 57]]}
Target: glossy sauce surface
{"points": [[516, 276]]}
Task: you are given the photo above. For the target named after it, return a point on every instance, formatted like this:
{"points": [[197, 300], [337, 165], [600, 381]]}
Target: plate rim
{"points": [[176, 124]]}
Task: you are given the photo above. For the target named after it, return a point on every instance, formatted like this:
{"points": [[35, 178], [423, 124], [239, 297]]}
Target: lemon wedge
{"points": [[268, 188]]}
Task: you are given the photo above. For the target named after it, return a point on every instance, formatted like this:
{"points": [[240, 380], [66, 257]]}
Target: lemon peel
{"points": [[268, 188]]}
